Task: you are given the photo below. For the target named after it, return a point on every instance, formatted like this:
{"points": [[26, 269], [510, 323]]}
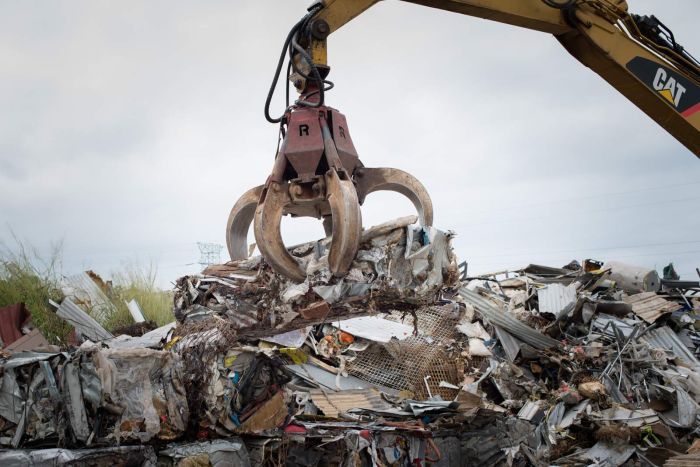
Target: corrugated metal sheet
{"points": [[603, 323], [32, 341], [151, 339], [688, 460], [554, 298], [328, 380], [333, 403], [135, 311], [549, 275], [11, 320], [511, 345], [507, 321], [532, 411], [82, 322], [665, 338], [83, 290], [375, 328], [649, 306], [605, 453]]}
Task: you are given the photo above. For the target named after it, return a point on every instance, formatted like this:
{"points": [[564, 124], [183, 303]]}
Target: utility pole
{"points": [[210, 253]]}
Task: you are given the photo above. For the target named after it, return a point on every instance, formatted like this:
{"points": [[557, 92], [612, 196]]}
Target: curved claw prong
{"points": [[242, 215], [268, 235], [347, 222], [369, 180]]}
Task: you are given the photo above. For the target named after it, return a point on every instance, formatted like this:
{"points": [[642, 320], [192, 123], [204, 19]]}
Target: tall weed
{"points": [[26, 277]]}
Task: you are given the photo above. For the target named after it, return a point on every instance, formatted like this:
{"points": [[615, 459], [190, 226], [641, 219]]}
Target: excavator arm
{"points": [[637, 55], [317, 171]]}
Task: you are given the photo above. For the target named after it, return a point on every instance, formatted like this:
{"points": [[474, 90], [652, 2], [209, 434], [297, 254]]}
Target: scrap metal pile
{"points": [[401, 362]]}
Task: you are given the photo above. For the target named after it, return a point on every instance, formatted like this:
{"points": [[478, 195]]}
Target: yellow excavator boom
{"points": [[637, 55], [317, 171]]}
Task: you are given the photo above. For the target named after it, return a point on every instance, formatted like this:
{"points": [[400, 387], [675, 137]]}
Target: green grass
{"points": [[138, 283], [27, 277]]}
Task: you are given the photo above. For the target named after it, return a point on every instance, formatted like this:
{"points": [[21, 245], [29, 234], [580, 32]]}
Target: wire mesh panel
{"points": [[437, 322], [417, 363]]}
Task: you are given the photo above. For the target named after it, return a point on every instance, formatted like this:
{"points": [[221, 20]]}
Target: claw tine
{"points": [[268, 217], [239, 221], [347, 223], [370, 180], [328, 225]]}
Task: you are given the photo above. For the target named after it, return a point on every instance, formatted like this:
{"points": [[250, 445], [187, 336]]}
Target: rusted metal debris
{"points": [[384, 275], [540, 366], [12, 318]]}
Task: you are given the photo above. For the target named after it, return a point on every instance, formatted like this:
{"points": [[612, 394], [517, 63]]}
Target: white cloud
{"points": [[130, 129]]}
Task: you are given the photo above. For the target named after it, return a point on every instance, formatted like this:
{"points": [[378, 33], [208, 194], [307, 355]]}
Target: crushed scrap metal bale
{"points": [[399, 363], [399, 265]]}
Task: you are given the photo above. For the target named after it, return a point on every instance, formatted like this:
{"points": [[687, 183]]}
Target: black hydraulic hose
{"points": [[330, 84], [560, 5], [286, 88], [300, 25], [314, 71], [291, 45], [278, 70]]}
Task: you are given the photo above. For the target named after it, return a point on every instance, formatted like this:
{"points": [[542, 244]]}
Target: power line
{"points": [[210, 253], [663, 253], [588, 249], [578, 213], [110, 252], [666, 254], [174, 266], [592, 196]]}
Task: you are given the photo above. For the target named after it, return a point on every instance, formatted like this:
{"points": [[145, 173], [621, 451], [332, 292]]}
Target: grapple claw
{"points": [[268, 235], [369, 180], [239, 220], [346, 221], [316, 173]]}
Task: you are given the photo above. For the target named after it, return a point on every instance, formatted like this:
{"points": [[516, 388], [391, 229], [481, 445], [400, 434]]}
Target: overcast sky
{"points": [[128, 130]]}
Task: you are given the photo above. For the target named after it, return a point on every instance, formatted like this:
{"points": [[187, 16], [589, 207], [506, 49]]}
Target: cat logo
{"points": [[668, 87], [676, 90]]}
